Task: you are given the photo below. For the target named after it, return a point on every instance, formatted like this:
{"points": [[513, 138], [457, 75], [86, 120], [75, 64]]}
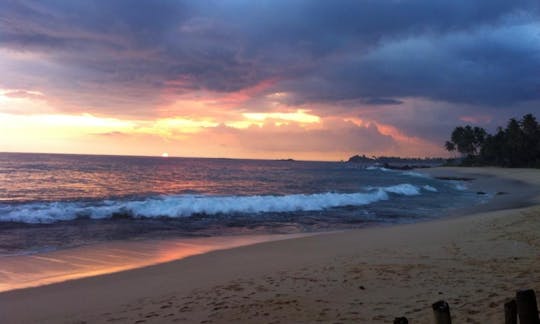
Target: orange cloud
{"points": [[206, 98], [240, 96], [198, 126], [411, 146], [299, 116]]}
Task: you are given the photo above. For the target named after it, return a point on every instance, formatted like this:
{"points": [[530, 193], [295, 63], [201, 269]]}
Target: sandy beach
{"points": [[474, 260]]}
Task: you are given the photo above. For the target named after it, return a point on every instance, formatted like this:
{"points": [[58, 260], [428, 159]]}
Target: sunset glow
{"points": [[300, 116], [175, 82], [165, 136]]}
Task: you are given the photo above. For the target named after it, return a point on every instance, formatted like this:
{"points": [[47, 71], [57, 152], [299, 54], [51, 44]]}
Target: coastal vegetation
{"points": [[516, 145]]}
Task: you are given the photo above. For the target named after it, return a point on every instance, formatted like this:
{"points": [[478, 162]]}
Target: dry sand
{"points": [[363, 276]]}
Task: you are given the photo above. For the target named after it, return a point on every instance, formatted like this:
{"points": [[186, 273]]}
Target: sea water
{"points": [[51, 200]]}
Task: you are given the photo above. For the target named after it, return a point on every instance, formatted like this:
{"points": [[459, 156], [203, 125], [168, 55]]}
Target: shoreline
{"points": [[89, 260], [525, 191], [406, 251]]}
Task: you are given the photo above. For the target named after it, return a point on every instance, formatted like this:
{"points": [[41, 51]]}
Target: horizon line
{"points": [[220, 158]]}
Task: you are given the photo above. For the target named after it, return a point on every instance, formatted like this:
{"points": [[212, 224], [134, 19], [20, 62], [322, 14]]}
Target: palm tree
{"points": [[450, 147]]}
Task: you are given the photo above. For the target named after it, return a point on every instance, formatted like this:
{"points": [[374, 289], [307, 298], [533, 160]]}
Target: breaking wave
{"points": [[430, 188], [177, 206]]}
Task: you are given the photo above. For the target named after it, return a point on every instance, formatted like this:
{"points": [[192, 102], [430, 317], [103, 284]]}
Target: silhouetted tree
{"points": [[467, 140], [531, 134], [492, 150], [449, 146], [517, 145]]}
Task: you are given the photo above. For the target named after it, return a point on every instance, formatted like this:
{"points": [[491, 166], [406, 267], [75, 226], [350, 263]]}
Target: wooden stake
{"points": [[401, 320], [510, 312], [526, 307], [441, 311]]}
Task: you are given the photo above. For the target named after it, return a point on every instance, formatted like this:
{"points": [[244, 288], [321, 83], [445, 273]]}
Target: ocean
{"points": [[50, 201]]}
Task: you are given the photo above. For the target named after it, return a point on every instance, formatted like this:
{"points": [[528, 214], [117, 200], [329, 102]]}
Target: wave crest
{"points": [[177, 206]]}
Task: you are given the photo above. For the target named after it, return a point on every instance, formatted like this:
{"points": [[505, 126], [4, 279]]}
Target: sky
{"points": [[315, 80]]}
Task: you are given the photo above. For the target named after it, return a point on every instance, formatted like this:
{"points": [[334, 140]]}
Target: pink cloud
{"points": [[477, 119], [241, 96], [24, 94]]}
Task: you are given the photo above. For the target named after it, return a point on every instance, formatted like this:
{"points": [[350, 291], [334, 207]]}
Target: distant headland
{"points": [[391, 162]]}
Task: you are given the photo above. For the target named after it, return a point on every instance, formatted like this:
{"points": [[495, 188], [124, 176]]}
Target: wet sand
{"points": [[474, 261], [37, 269]]}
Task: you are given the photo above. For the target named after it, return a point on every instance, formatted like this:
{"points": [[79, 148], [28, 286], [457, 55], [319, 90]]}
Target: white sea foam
{"points": [[375, 168], [416, 174], [430, 188], [403, 189], [460, 186], [177, 206]]}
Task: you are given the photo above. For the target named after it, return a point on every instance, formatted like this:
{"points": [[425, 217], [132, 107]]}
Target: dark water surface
{"points": [[51, 200]]}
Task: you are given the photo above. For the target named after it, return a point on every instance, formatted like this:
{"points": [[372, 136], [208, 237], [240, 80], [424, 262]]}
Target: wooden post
{"points": [[401, 320], [441, 310], [526, 307], [510, 312]]}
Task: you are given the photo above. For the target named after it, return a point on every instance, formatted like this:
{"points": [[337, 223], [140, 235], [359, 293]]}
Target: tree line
{"points": [[517, 145]]}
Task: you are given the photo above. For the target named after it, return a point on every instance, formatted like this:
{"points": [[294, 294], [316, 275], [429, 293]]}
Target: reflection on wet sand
{"points": [[22, 271]]}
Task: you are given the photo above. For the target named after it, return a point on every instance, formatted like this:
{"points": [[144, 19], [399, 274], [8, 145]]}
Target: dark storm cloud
{"points": [[382, 101], [495, 66], [120, 54]]}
